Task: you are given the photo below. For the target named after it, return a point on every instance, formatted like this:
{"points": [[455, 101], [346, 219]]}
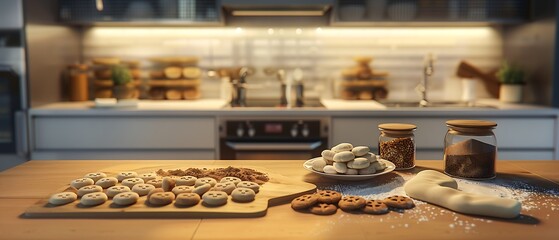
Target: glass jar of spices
{"points": [[470, 149], [397, 144]]}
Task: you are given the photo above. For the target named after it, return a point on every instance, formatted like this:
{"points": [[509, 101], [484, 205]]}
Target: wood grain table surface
{"points": [[535, 183]]}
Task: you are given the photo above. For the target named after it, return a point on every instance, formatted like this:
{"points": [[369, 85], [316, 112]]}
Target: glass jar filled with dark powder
{"points": [[397, 144], [470, 149]]}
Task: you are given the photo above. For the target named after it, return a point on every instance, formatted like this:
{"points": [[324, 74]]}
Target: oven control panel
{"points": [[273, 129]]}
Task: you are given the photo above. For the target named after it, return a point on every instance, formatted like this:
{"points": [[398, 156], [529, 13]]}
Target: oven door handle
{"points": [[274, 146]]}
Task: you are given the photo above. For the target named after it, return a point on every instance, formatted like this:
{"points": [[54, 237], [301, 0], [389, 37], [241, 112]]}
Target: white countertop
{"points": [[333, 107]]}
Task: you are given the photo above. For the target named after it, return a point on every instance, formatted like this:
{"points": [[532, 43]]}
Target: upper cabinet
{"points": [[435, 12], [305, 12], [141, 12]]}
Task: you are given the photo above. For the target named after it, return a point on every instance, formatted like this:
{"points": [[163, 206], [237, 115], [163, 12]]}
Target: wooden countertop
{"points": [[25, 184]]}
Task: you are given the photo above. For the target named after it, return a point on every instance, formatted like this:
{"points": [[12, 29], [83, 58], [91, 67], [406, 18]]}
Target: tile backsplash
{"points": [[321, 52]]}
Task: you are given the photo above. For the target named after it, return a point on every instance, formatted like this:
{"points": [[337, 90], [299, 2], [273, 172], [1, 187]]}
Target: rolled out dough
{"points": [[439, 189]]}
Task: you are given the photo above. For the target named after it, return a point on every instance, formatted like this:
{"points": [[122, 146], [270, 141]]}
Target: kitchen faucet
{"points": [[239, 89], [428, 70]]}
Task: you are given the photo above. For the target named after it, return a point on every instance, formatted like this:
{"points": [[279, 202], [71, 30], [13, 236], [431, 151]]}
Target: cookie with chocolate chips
{"points": [[375, 207], [329, 196], [397, 201], [351, 203], [304, 202], [324, 209]]}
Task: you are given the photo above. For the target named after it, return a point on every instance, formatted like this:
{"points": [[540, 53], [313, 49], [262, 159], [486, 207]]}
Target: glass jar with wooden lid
{"points": [[470, 149], [397, 144]]}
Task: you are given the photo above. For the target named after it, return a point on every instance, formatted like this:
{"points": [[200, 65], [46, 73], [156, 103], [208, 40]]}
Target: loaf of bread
{"points": [[439, 189]]}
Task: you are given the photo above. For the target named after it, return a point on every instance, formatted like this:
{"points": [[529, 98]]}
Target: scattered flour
{"points": [[530, 196]]}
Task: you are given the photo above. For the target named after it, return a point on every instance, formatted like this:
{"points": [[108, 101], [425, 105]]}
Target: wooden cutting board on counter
{"points": [[278, 190]]}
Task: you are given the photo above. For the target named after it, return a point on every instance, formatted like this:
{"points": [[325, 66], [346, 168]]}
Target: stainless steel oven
{"points": [[272, 139]]}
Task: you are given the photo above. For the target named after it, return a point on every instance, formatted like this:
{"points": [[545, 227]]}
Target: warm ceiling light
{"points": [[277, 13]]}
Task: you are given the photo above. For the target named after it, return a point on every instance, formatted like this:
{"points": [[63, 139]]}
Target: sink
{"points": [[275, 103], [434, 104]]}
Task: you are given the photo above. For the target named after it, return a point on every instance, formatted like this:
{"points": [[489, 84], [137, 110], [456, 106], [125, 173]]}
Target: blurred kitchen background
{"points": [[47, 44]]}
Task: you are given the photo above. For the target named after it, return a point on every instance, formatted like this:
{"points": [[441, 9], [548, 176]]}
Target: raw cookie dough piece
{"points": [[358, 163], [375, 207], [227, 187], [142, 189], [126, 198], [328, 155], [182, 189], [185, 181], [124, 175], [187, 199], [401, 202], [148, 176], [130, 182], [153, 191], [107, 182], [248, 184], [329, 169], [324, 209], [215, 198], [318, 164], [340, 167], [234, 180], [439, 189], [371, 157], [243, 195], [379, 166], [93, 199], [368, 170], [168, 184], [351, 203], [205, 180], [342, 147], [81, 182], [360, 151], [352, 171], [304, 202], [343, 157], [89, 189], [114, 190], [62, 198], [329, 196], [161, 198], [156, 182], [200, 190], [95, 175]]}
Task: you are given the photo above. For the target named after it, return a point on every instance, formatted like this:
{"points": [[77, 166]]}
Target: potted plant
{"points": [[512, 83], [123, 85]]}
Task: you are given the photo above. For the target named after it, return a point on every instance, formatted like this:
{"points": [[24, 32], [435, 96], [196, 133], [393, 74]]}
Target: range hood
{"points": [[277, 12]]}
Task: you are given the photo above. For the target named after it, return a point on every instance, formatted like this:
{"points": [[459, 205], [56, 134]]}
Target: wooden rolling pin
{"points": [[491, 82]]}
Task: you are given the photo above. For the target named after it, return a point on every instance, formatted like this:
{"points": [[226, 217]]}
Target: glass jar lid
{"points": [[397, 127], [472, 126]]}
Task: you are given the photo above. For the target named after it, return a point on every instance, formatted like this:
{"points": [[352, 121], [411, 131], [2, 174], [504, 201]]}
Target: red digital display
{"points": [[273, 128]]}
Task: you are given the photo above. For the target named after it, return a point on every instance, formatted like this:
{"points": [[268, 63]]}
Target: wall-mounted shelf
{"points": [[140, 12], [429, 12]]}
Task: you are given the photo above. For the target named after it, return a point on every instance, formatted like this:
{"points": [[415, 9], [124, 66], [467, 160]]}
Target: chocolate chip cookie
{"points": [[329, 196], [397, 201], [375, 207], [351, 203], [324, 209], [304, 202]]}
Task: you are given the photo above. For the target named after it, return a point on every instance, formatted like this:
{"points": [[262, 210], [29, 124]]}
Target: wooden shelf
{"points": [[174, 83], [364, 83], [109, 83]]}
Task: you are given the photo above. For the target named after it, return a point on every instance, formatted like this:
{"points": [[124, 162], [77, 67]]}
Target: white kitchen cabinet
{"points": [[120, 137], [515, 139]]}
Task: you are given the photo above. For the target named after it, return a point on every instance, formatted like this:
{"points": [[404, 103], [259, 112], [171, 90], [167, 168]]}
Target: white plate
{"points": [[389, 168]]}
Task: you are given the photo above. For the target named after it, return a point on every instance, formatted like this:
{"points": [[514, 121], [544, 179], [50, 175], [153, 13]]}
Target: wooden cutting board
{"points": [[278, 190]]}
